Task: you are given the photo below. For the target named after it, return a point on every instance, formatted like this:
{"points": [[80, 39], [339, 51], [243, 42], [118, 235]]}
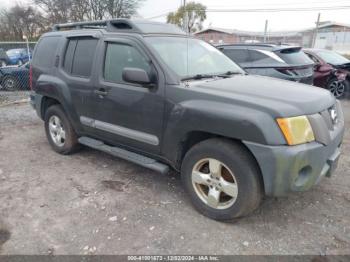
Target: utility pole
{"points": [[265, 32], [316, 30]]}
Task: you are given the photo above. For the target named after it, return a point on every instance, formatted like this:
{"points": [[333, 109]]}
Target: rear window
{"points": [[45, 52], [79, 56], [294, 57]]}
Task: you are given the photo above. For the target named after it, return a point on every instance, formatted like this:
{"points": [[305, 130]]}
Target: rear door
{"points": [[124, 113], [76, 74]]}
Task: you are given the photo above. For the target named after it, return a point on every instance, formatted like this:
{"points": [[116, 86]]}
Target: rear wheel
{"points": [[10, 83], [59, 131], [338, 88], [20, 62], [222, 179]]}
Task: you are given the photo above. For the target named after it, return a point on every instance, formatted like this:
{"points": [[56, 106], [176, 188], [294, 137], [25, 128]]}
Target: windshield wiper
{"points": [[230, 73], [197, 77]]}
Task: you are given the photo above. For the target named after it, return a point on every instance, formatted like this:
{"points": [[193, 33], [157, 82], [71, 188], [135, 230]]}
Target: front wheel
{"points": [[222, 179], [338, 88]]}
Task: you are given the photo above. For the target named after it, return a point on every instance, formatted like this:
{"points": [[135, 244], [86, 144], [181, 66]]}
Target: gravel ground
{"points": [[11, 97], [92, 203]]}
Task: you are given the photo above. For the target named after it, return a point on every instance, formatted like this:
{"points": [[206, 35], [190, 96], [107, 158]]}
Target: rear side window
{"points": [[45, 52], [237, 55], [120, 56], [79, 56], [264, 57]]}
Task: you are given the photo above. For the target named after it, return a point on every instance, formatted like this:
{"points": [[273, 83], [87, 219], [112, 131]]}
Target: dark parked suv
{"points": [[151, 94], [280, 61]]}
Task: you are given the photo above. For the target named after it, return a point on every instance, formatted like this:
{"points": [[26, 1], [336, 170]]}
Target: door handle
{"points": [[101, 92]]}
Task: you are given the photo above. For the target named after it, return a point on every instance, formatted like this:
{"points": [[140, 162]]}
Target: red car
{"points": [[331, 71]]}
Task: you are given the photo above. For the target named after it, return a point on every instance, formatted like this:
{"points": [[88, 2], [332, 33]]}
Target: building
{"points": [[333, 36], [217, 36], [330, 35]]}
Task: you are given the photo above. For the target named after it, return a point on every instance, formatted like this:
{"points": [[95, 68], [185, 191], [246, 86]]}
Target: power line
{"points": [[257, 10], [275, 5], [253, 10]]}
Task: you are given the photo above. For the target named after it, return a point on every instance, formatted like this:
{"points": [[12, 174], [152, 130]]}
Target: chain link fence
{"points": [[14, 71]]}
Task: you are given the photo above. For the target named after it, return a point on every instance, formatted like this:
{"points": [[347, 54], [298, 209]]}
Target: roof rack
{"points": [[109, 25], [124, 25]]}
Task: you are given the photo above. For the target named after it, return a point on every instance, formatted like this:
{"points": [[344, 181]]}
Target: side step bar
{"points": [[125, 154]]}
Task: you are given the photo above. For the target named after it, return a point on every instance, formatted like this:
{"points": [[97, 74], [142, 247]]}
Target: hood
{"points": [[343, 66], [280, 98]]}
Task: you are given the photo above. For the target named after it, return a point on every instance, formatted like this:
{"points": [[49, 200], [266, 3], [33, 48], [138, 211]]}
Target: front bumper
{"points": [[297, 168]]}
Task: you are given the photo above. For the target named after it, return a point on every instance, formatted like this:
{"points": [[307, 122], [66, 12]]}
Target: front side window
{"points": [[189, 57], [120, 56]]}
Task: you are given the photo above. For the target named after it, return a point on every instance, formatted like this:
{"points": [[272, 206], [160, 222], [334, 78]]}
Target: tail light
{"points": [[31, 77]]}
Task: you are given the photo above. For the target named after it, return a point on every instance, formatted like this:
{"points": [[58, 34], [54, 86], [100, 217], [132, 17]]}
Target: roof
{"points": [[332, 23], [268, 46], [249, 33], [123, 25], [274, 33]]}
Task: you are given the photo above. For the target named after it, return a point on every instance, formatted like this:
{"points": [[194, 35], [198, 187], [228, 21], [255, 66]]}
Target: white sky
{"points": [[247, 21]]}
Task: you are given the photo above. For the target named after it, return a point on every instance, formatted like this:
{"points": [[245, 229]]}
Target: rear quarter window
{"points": [[45, 52], [237, 55]]}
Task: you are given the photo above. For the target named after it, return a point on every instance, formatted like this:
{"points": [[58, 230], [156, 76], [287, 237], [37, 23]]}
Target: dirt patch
{"points": [[5, 235], [115, 185]]}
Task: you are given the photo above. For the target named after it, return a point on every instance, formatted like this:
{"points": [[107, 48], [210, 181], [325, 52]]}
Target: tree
{"points": [[196, 14], [122, 8], [19, 21], [63, 11]]}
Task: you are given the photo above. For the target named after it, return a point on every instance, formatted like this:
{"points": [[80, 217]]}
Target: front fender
{"points": [[221, 119]]}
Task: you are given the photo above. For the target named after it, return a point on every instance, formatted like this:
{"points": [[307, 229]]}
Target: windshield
{"points": [[332, 57], [190, 57]]}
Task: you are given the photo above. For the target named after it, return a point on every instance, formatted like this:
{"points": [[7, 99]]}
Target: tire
{"points": [[10, 83], [238, 167], [340, 89], [19, 62], [66, 140], [3, 63]]}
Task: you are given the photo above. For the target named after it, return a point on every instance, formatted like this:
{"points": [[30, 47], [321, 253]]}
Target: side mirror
{"points": [[136, 76]]}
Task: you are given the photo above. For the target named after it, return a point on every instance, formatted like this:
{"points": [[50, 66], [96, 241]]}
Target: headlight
{"points": [[296, 130]]}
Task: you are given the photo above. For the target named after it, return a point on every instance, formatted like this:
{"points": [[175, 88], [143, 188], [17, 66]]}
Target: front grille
{"points": [[325, 123]]}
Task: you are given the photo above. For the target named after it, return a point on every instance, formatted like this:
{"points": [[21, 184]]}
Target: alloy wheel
{"points": [[57, 132], [10, 84], [337, 88], [214, 183]]}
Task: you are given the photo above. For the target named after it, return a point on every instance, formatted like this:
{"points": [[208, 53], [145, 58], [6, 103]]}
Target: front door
{"points": [[124, 113]]}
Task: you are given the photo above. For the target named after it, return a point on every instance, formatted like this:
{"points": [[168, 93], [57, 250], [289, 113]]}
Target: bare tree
{"points": [[19, 21]]}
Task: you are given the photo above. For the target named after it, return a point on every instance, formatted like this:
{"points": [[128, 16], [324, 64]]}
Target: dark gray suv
{"points": [[149, 93], [280, 61]]}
